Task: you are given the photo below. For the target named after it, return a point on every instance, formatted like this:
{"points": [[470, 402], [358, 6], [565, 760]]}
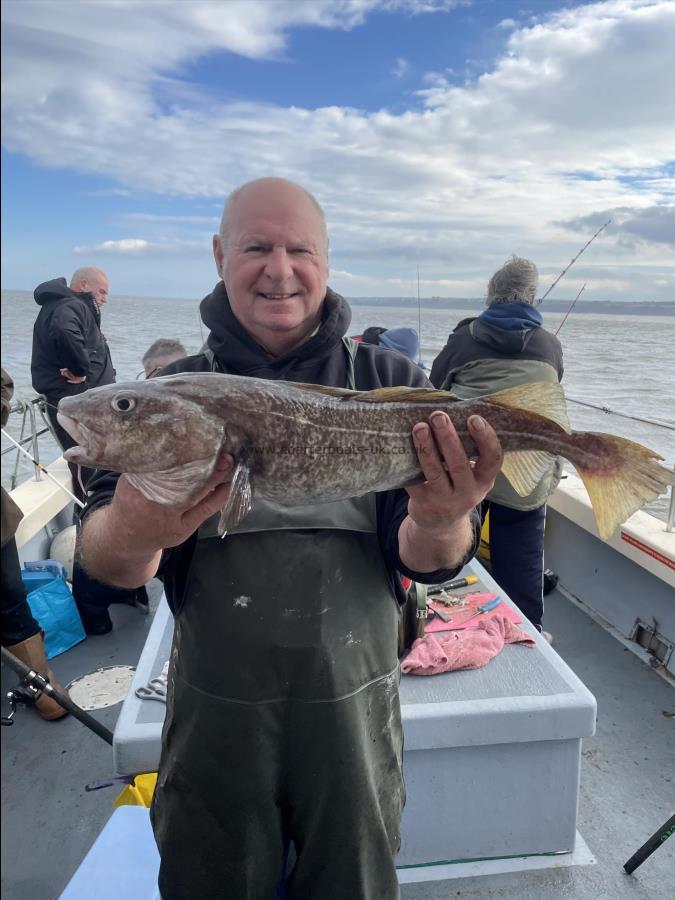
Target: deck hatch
{"points": [[648, 637]]}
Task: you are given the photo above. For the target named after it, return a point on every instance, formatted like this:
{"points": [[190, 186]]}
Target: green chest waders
{"points": [[283, 719]]}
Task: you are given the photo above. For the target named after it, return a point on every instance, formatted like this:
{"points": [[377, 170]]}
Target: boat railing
{"points": [[30, 432]]}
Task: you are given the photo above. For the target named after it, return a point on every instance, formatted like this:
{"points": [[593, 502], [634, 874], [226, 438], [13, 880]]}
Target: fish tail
{"points": [[627, 476]]}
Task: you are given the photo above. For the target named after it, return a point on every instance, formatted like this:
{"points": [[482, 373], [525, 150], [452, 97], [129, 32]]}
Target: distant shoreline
{"points": [[599, 307]]}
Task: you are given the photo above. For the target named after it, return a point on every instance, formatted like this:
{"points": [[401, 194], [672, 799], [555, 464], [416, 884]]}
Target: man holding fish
{"points": [[278, 482], [283, 720]]}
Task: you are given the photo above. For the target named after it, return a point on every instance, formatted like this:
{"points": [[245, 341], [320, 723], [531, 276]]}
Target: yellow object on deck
{"points": [[484, 549], [139, 793]]}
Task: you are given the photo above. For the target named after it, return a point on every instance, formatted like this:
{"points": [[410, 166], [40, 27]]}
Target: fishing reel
{"points": [[22, 695]]}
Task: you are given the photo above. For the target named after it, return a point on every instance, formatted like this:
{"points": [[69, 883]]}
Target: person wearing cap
{"points": [[503, 347], [403, 340]]}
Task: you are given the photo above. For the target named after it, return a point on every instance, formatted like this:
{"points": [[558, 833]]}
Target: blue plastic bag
{"points": [[54, 609]]}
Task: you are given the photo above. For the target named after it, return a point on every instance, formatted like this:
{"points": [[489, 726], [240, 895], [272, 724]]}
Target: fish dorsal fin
{"points": [[340, 393], [239, 500], [524, 469], [401, 394], [173, 487], [545, 398]]}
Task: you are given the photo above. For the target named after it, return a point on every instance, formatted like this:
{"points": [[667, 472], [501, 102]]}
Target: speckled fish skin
{"points": [[303, 445]]}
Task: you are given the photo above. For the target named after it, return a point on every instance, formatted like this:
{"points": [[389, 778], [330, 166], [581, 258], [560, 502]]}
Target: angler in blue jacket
{"points": [[503, 347]]}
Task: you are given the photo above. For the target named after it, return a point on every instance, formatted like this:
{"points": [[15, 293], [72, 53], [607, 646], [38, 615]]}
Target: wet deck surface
{"points": [[627, 781]]}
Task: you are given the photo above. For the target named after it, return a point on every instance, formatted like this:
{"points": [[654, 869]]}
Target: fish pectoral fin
{"points": [[524, 469], [545, 398], [239, 500], [173, 487]]}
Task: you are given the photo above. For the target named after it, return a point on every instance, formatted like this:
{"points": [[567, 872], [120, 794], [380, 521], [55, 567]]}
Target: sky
{"points": [[439, 134]]}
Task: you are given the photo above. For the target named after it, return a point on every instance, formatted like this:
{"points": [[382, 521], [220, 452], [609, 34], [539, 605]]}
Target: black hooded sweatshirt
{"points": [[67, 335], [322, 359]]}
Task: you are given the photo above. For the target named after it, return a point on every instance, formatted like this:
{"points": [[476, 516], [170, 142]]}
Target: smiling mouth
{"points": [[277, 296]]}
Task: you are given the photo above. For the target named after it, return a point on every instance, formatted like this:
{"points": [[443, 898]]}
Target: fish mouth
{"points": [[90, 445]]}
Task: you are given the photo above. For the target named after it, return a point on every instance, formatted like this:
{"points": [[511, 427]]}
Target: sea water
{"points": [[623, 363]]}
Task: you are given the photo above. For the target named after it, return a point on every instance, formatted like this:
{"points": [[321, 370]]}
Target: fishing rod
{"points": [[573, 260], [35, 683], [43, 469], [614, 412], [574, 303], [419, 319], [655, 841]]}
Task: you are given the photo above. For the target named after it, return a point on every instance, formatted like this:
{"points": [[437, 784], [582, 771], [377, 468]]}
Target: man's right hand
{"points": [[122, 543]]}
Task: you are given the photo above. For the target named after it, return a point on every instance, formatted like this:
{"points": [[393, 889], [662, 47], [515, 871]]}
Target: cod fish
{"points": [[298, 444]]}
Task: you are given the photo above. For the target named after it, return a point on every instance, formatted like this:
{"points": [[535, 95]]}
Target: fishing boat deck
{"points": [[627, 775]]}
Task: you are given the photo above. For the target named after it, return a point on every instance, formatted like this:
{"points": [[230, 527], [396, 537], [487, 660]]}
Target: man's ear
{"points": [[218, 255]]}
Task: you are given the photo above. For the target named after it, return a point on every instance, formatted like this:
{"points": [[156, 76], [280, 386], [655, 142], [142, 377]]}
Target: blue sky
{"points": [[437, 133]]}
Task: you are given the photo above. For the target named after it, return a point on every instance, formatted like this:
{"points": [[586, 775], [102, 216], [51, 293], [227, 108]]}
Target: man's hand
{"points": [[436, 533], [122, 543], [72, 379]]}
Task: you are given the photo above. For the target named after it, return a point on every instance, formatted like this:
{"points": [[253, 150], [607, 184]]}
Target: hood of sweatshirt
{"points": [[241, 353], [506, 327]]}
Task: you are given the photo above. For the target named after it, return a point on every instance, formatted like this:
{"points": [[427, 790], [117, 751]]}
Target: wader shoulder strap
{"points": [[211, 359], [351, 348]]}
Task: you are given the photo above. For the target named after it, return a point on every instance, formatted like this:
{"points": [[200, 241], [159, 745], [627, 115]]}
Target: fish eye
{"points": [[123, 404]]}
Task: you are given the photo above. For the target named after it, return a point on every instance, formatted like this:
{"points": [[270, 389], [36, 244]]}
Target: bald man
{"points": [[70, 354], [283, 719]]}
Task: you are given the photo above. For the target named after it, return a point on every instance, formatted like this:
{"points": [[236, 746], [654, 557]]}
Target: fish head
{"points": [[141, 426]]}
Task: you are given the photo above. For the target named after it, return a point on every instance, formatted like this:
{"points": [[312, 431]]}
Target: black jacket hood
{"points": [[230, 342], [48, 291], [57, 289]]}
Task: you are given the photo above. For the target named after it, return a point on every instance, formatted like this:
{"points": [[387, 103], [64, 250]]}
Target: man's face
{"points": [[98, 286], [275, 267]]}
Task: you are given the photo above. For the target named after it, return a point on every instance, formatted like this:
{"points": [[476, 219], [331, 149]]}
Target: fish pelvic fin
{"points": [[239, 500], [544, 398], [618, 491], [524, 469]]}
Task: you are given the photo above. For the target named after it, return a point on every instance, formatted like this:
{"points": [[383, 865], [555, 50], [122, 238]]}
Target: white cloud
{"points": [[401, 67], [136, 247], [576, 117]]}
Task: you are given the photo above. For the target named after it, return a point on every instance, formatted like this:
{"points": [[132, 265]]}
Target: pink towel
{"points": [[468, 649]]}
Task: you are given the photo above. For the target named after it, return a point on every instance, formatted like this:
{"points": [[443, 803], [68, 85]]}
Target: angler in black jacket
{"points": [[70, 354]]}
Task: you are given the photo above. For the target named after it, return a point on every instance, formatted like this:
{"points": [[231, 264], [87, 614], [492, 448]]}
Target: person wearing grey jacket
{"points": [[504, 347]]}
